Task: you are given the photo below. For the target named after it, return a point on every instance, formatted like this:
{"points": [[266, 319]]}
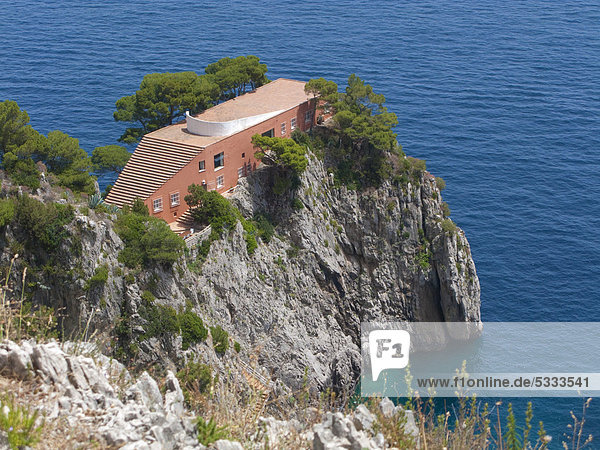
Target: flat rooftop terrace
{"points": [[278, 95]]}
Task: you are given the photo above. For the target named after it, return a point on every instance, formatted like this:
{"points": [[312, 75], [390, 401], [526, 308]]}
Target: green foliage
{"points": [[211, 208], [297, 204], [22, 146], [19, 423], [265, 229], [148, 240], [448, 226], [234, 75], [237, 347], [69, 162], [194, 378], [220, 339], [22, 171], [445, 209], [99, 278], [139, 207], [7, 212], [363, 139], [209, 432], [43, 223], [111, 158], [192, 329], [39, 322], [94, 201], [161, 321], [15, 132], [281, 152], [161, 99], [440, 183], [325, 90]]}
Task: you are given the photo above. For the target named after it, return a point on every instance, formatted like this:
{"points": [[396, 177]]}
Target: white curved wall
{"points": [[206, 128]]}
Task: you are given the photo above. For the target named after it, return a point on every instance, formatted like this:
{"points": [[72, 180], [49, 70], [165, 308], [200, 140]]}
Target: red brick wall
{"points": [[233, 148]]}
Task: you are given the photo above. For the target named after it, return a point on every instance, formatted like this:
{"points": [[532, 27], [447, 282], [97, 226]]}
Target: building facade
{"points": [[213, 149]]}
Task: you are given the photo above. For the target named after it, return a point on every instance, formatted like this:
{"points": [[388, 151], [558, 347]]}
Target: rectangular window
{"points": [[220, 181], [157, 204], [240, 172], [283, 128], [308, 116], [175, 199], [269, 133], [293, 124], [219, 160], [201, 166]]}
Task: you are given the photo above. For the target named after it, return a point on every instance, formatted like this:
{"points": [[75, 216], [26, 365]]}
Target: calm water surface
{"points": [[501, 99]]}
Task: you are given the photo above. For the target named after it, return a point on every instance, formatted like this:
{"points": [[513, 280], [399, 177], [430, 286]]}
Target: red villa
{"points": [[213, 149]]}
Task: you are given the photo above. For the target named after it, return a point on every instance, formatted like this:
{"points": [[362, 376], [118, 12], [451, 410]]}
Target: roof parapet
{"points": [[206, 128]]}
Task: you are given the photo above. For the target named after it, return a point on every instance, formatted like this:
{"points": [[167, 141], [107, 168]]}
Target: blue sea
{"points": [[501, 98]]}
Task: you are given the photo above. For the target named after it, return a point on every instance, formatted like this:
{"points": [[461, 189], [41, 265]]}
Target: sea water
{"points": [[501, 98]]}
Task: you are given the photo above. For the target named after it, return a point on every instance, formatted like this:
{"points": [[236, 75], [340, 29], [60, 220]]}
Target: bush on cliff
{"points": [[211, 208], [148, 240], [43, 223]]}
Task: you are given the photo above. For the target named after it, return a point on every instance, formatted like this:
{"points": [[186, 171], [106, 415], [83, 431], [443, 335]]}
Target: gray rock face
{"points": [[84, 393], [345, 257]]}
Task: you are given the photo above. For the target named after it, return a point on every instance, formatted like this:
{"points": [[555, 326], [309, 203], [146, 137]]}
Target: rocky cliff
{"points": [[295, 305]]}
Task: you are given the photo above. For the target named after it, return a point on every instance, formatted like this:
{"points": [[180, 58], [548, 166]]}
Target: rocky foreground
{"points": [[87, 399]]}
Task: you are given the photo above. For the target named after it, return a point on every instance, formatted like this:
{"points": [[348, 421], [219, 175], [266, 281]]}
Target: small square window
{"points": [[293, 124], [157, 204], [220, 181], [219, 160], [283, 128], [243, 155], [308, 116], [175, 199], [201, 166], [270, 133]]}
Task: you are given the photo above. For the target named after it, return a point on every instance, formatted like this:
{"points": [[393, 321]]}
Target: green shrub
{"points": [[440, 183], [44, 223], [7, 212], [99, 278], [139, 207], [448, 226], [209, 432], [192, 329], [211, 208], [237, 347], [424, 259], [161, 320], [445, 209], [297, 204], [195, 378], [220, 339], [147, 240], [265, 229], [22, 171], [18, 422]]}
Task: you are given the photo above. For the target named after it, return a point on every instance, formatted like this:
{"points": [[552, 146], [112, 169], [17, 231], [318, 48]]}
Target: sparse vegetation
{"points": [[148, 240], [448, 226], [209, 432], [192, 329], [20, 423], [195, 379], [99, 278], [220, 339]]}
